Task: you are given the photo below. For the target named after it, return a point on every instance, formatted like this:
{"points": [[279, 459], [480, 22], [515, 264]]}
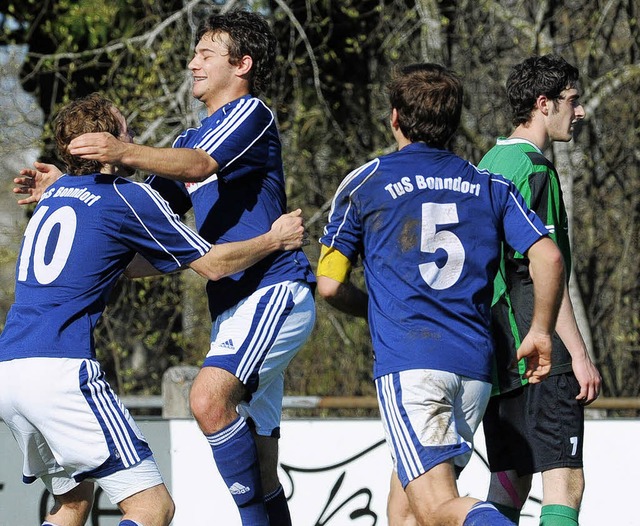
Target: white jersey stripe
{"points": [[122, 439], [524, 214], [187, 233], [150, 234], [240, 154], [347, 180], [411, 455], [173, 144], [254, 349], [388, 404], [214, 138]]}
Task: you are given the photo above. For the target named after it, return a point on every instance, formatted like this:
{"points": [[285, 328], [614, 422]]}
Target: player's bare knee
{"points": [[212, 414], [204, 405], [199, 403], [213, 399], [77, 508], [164, 510], [399, 512]]}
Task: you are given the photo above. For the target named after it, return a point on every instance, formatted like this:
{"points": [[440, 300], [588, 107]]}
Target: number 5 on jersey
{"points": [[434, 214]]}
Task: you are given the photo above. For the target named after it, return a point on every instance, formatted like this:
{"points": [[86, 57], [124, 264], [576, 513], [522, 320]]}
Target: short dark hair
{"points": [[249, 34], [547, 75], [93, 113], [428, 98]]}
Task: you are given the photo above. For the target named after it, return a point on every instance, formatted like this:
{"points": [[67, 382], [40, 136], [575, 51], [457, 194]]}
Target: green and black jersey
{"points": [[537, 180]]}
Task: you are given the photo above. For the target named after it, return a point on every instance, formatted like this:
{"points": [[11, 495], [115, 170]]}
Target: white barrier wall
{"points": [[335, 473]]}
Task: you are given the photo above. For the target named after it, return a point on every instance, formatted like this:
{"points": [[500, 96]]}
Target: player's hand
{"points": [[33, 182], [536, 348], [288, 231], [588, 377], [99, 146]]}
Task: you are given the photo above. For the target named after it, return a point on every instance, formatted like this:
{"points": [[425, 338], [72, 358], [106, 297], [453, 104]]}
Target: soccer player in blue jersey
{"points": [[85, 230], [428, 226], [229, 169]]}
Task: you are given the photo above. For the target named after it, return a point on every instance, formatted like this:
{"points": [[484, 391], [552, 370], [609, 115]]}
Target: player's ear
{"points": [[394, 120], [542, 104], [244, 65]]}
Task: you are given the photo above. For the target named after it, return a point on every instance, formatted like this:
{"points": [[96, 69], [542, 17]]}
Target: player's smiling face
{"points": [[211, 70], [565, 113]]}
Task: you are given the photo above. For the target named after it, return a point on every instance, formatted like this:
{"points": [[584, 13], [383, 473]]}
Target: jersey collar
{"points": [[504, 141]]}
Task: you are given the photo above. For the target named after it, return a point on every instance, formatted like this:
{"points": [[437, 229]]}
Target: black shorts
{"points": [[536, 427]]}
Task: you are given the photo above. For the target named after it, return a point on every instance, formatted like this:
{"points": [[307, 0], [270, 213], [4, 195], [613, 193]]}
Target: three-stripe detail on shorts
{"points": [[271, 312], [390, 401], [110, 413]]}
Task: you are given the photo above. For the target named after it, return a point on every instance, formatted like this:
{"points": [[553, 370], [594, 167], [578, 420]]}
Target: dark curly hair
{"points": [[547, 75], [428, 98], [93, 113], [249, 34]]}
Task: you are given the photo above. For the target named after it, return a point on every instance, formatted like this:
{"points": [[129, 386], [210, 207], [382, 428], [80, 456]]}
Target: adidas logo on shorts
{"points": [[238, 489], [222, 349]]}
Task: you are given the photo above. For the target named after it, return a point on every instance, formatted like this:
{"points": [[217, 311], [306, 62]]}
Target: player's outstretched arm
{"points": [[181, 164], [33, 182], [547, 272], [287, 233]]}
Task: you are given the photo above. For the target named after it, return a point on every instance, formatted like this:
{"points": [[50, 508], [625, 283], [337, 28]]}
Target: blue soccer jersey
{"points": [[243, 199], [82, 235], [429, 226]]}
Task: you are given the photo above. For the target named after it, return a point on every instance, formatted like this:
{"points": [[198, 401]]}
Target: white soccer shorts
{"points": [[71, 426], [429, 417], [255, 341]]}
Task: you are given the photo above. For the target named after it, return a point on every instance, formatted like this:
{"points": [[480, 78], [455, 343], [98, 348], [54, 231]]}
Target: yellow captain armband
{"points": [[333, 264]]}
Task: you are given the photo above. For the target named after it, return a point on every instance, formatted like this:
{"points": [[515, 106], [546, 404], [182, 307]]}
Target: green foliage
{"points": [[142, 316], [77, 22]]}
